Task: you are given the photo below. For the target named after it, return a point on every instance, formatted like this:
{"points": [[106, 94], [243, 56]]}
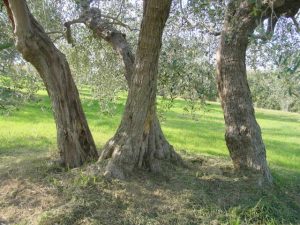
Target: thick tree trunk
{"points": [[139, 141], [102, 29], [75, 142], [243, 134]]}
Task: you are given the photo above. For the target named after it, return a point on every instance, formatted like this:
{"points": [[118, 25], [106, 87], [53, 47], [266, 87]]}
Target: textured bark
{"points": [[75, 142], [243, 134], [102, 29], [139, 141]]}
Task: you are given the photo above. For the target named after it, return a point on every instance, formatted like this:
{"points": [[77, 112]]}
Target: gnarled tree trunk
{"points": [[102, 29], [74, 138], [139, 141], [243, 134]]}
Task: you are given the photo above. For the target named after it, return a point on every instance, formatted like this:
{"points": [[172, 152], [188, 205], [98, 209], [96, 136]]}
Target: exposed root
{"points": [[127, 152]]}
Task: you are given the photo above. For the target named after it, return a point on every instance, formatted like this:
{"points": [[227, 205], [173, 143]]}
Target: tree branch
{"points": [[103, 29], [9, 13], [117, 22], [268, 34], [55, 32], [272, 21], [208, 30], [58, 37], [69, 31], [121, 7], [296, 24]]}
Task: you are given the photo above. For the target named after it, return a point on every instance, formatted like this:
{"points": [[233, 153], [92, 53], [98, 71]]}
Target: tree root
{"points": [[127, 152]]}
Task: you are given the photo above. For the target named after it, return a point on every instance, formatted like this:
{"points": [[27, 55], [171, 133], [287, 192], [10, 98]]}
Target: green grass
{"points": [[207, 192]]}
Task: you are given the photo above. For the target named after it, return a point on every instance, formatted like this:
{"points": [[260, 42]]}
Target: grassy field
{"points": [[36, 191]]}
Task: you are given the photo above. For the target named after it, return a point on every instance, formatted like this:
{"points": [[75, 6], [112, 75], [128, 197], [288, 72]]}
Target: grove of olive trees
{"points": [[185, 69], [114, 112]]}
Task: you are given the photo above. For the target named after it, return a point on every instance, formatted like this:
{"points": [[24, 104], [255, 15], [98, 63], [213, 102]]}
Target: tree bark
{"points": [[243, 134], [74, 139], [102, 29], [139, 141]]}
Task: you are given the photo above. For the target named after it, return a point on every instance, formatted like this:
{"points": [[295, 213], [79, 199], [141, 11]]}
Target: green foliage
{"points": [[9, 100], [18, 86], [95, 64], [48, 13], [266, 90], [184, 73], [206, 13], [5, 46], [256, 9], [276, 90], [275, 83], [207, 192], [7, 51]]}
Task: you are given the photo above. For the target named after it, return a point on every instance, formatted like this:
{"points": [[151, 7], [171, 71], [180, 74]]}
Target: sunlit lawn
{"points": [[31, 130]]}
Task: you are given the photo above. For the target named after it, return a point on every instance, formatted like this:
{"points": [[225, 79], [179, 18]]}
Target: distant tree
{"points": [[75, 142], [277, 90]]}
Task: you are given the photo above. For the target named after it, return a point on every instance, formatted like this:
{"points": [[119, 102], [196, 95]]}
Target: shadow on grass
{"points": [[23, 145], [282, 148], [278, 117], [206, 192], [281, 132]]}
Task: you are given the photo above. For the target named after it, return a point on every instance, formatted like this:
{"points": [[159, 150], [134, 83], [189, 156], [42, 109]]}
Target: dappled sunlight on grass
{"points": [[281, 135]]}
